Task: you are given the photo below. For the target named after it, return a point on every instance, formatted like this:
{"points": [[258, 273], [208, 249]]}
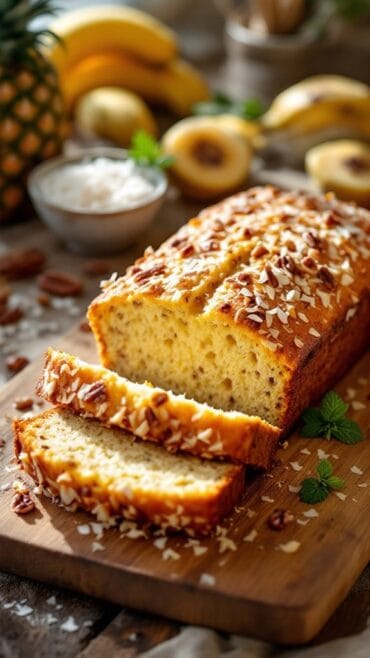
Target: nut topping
{"points": [[10, 316], [97, 267], [312, 240], [60, 284], [259, 250], [21, 263], [22, 502], [327, 277], [96, 392], [279, 519], [23, 404], [159, 398]]}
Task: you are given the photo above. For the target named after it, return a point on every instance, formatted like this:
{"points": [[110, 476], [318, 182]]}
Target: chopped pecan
{"points": [[326, 276], [331, 220], [10, 315], [244, 277], [4, 293], [156, 270], [312, 239], [287, 263], [186, 251], [271, 277], [259, 250], [43, 299], [280, 518], [16, 363], [22, 502], [20, 263], [60, 284], [150, 415], [23, 404], [225, 308], [159, 398], [247, 233], [96, 392], [309, 263], [85, 327]]}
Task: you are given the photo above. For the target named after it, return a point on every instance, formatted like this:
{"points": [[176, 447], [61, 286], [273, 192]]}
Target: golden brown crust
{"points": [[285, 267], [154, 414], [67, 484]]}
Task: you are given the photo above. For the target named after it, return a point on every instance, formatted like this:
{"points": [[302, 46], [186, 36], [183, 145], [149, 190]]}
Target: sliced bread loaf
{"points": [[82, 464], [154, 414]]}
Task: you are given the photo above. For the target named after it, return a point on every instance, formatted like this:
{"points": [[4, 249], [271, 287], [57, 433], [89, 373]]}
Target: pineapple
{"points": [[32, 119]]}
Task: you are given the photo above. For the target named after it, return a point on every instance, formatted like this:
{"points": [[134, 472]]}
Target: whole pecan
{"points": [[16, 363], [10, 315], [22, 503], [96, 392], [20, 263], [60, 284], [280, 518]]}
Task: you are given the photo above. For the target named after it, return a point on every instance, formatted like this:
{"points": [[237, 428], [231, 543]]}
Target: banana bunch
{"points": [[122, 47], [317, 109]]}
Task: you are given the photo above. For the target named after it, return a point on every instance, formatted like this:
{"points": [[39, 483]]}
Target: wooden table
{"points": [[38, 620]]}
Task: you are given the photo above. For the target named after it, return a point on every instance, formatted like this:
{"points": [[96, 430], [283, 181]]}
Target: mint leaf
{"points": [[324, 469], [333, 482], [347, 431], [313, 491], [313, 423], [250, 109], [146, 151], [333, 407]]}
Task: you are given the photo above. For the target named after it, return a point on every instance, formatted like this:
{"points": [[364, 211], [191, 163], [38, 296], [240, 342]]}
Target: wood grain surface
{"points": [[258, 589]]}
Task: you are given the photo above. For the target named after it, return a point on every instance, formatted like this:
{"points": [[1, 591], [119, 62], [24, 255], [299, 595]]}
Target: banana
{"points": [[115, 114], [90, 30], [210, 160], [314, 102], [342, 167], [177, 86]]}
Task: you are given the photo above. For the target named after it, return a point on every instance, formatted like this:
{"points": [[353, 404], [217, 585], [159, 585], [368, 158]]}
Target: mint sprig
{"points": [[329, 420], [146, 151], [250, 108], [316, 490]]}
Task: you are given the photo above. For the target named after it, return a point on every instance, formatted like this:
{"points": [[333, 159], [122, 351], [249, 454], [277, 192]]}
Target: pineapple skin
{"points": [[33, 125]]}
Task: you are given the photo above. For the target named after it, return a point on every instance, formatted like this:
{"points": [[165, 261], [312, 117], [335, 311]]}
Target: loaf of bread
{"points": [[154, 414], [259, 304], [81, 464]]}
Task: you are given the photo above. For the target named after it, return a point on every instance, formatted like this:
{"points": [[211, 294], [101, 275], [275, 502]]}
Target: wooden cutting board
{"points": [[236, 585]]}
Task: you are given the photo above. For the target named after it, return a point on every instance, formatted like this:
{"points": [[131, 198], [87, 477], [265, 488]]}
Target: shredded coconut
{"points": [[101, 184]]}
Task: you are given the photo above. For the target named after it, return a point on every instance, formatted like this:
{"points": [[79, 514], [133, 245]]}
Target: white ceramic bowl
{"points": [[91, 232]]}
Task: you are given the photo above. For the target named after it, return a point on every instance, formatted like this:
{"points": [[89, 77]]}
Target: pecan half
{"points": [[60, 284], [16, 363], [23, 404], [20, 263], [312, 239], [22, 503], [280, 518], [10, 315], [96, 392], [156, 270]]}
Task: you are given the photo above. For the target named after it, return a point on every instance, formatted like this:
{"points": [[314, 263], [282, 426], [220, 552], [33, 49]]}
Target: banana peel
{"points": [[89, 30]]}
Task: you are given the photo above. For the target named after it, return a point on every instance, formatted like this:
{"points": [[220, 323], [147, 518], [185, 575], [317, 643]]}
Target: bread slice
{"points": [[154, 414], [82, 464], [258, 304]]}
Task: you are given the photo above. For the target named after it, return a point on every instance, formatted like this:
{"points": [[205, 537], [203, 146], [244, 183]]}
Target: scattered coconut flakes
{"points": [[97, 546], [296, 466], [11, 468], [322, 454], [97, 528], [225, 544], [250, 513], [251, 536], [9, 604], [363, 485], [200, 550], [22, 610], [305, 451], [290, 547], [303, 521], [340, 495], [51, 600], [355, 500], [362, 380], [334, 455], [169, 554], [59, 606], [356, 470], [50, 619], [311, 513], [83, 529], [267, 499], [5, 487], [207, 579], [88, 623], [293, 489], [350, 392], [160, 543], [357, 405], [69, 625]]}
